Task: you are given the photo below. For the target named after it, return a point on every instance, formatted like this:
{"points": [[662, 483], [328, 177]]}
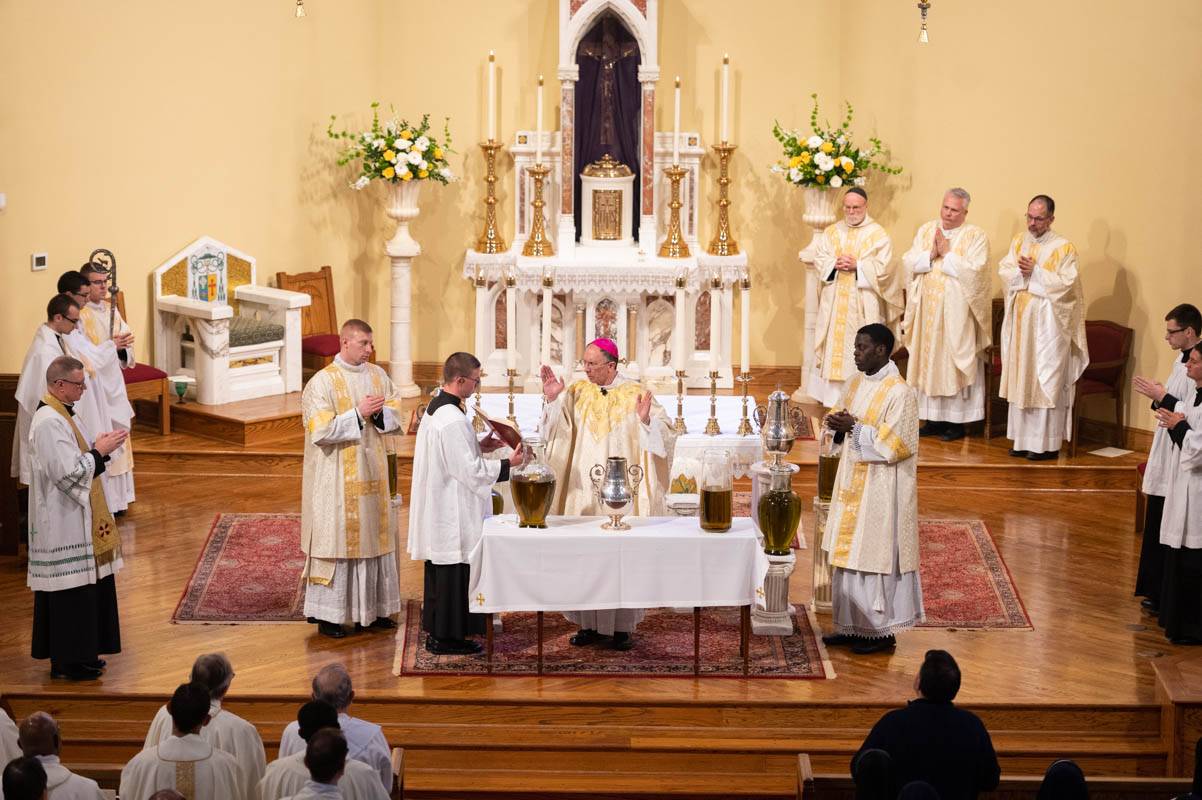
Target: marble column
{"points": [[648, 233], [566, 238]]}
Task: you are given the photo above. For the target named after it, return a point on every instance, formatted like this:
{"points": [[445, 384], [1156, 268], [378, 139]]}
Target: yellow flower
{"points": [[389, 156], [806, 158], [827, 147], [390, 173], [438, 152], [406, 134], [848, 164], [795, 161], [425, 173], [822, 179], [408, 176]]}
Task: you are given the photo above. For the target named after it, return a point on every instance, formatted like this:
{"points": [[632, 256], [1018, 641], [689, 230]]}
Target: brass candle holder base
{"points": [[723, 243], [745, 423], [674, 245], [511, 374], [478, 423], [679, 425], [711, 426], [538, 245], [490, 241]]}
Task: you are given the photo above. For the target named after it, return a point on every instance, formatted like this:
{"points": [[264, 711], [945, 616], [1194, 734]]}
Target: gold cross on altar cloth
{"points": [[759, 592], [480, 598]]}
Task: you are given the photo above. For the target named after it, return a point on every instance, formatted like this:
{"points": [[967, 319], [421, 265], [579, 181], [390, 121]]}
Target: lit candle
{"points": [[745, 327], [681, 298], [676, 127], [715, 323], [545, 349], [538, 135], [725, 99], [511, 324], [492, 95]]}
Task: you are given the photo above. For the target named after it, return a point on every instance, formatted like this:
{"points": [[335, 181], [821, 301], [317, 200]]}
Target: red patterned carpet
{"points": [[965, 582]]}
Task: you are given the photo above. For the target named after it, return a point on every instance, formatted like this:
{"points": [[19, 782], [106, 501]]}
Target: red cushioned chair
{"points": [[145, 382], [995, 407], [1109, 350], [319, 322]]}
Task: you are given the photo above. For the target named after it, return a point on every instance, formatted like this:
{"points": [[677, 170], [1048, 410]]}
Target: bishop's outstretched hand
{"points": [[643, 406], [552, 386]]}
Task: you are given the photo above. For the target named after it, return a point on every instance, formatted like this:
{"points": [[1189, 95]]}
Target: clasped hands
{"points": [[940, 247], [1169, 419], [106, 443], [1025, 265], [123, 340], [839, 421], [370, 405], [1151, 389], [845, 263]]}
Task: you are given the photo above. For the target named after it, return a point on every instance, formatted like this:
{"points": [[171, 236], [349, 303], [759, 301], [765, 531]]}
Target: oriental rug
{"points": [[965, 582], [249, 570], [663, 648]]}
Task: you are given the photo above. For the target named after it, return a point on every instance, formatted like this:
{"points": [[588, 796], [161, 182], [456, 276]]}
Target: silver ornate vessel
{"points": [[779, 425], [615, 486]]}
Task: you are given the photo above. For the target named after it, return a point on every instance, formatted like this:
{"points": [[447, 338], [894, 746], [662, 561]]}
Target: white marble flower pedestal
{"points": [[819, 214], [401, 249]]}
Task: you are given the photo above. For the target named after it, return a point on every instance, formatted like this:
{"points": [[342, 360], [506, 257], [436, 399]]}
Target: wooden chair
{"points": [[145, 382], [1109, 350], [996, 408], [398, 773], [319, 322]]}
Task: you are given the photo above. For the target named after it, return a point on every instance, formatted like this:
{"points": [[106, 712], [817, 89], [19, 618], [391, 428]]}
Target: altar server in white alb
{"points": [[947, 324], [858, 286], [40, 739], [1043, 343], [325, 759], [451, 495], [872, 528], [288, 774], [74, 544], [185, 762], [348, 522], [583, 425]]}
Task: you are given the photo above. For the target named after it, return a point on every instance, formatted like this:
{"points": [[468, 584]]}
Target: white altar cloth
{"points": [[528, 407], [573, 564]]}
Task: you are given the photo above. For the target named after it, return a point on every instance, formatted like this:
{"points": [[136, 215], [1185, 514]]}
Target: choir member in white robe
{"points": [[40, 739], [858, 286], [365, 739], [288, 775], [872, 527], [451, 495], [185, 762], [583, 425], [9, 748], [348, 519], [1181, 526], [1044, 350], [226, 731], [947, 324], [110, 356], [325, 758], [74, 544], [1183, 327]]}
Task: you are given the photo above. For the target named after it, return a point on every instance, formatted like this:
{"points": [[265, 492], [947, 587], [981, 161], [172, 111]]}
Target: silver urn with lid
{"points": [[779, 425], [615, 486]]}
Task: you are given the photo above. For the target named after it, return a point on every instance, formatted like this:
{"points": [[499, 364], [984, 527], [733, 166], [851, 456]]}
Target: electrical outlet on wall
{"points": [[39, 262]]}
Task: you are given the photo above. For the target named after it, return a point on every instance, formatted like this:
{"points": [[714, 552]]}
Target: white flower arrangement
{"points": [[828, 157], [395, 151]]}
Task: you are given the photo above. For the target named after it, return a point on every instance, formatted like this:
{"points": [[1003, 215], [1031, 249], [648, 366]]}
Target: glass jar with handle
{"points": [[532, 485], [717, 490]]}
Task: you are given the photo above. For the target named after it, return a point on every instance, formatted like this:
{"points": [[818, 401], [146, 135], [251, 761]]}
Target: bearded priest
{"points": [[583, 425]]}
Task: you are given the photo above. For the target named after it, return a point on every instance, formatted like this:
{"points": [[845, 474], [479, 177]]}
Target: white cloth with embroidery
{"points": [[227, 732], [288, 775], [188, 764], [872, 528], [364, 740], [348, 524]]}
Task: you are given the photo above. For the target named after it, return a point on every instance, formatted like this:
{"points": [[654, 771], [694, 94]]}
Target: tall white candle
{"points": [[745, 327], [511, 325], [678, 329], [538, 134], [545, 348], [676, 127], [715, 324], [492, 95], [725, 98]]}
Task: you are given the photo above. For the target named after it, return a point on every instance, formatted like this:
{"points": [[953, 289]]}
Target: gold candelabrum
{"points": [[674, 245], [538, 244], [745, 423], [723, 244], [491, 241], [511, 374], [711, 425], [478, 424], [679, 425]]}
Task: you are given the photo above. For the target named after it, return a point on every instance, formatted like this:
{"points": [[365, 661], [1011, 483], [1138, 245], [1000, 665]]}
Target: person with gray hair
{"points": [[365, 739], [288, 775], [40, 739], [948, 321], [226, 730], [74, 544]]}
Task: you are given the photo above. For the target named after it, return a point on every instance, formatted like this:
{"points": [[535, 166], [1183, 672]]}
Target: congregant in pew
{"points": [[185, 762], [325, 758], [348, 523], [225, 730], [1182, 330], [24, 779], [947, 324], [288, 774], [366, 739], [1043, 342], [40, 739]]}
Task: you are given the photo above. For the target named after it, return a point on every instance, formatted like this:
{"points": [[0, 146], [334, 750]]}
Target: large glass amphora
{"points": [[779, 511], [829, 452], [532, 486], [717, 490]]}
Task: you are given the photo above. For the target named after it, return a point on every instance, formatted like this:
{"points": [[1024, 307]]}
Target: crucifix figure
{"points": [[608, 52]]}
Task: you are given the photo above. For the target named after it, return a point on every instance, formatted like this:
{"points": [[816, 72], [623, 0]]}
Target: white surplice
{"points": [[287, 775], [1164, 457], [364, 740], [226, 731], [1181, 524], [63, 784], [312, 790], [9, 749], [188, 764]]}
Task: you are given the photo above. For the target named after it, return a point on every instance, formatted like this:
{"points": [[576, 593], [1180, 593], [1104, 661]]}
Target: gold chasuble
{"points": [[587, 424]]}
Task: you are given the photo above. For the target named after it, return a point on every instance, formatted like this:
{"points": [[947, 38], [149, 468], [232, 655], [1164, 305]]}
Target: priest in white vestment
{"points": [[288, 775], [185, 762], [226, 730], [9, 748], [857, 286], [365, 739], [1183, 329], [40, 739], [1181, 526], [74, 544], [451, 495], [348, 519], [583, 425], [872, 527], [1044, 350], [325, 758], [947, 325]]}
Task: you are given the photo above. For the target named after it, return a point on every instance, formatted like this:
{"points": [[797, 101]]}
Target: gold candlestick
{"points": [[674, 246], [538, 245], [491, 241], [679, 426], [711, 426], [723, 244], [511, 374], [478, 424], [744, 424]]}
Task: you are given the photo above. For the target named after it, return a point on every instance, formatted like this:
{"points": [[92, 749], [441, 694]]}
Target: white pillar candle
{"points": [[492, 95], [538, 134], [545, 348], [511, 325], [681, 298], [725, 99], [676, 127], [745, 328], [715, 324]]}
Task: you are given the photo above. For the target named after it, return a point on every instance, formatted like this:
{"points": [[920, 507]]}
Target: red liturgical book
{"points": [[505, 430]]}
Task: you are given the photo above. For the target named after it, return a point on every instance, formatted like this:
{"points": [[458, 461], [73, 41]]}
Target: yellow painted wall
{"points": [[138, 125]]}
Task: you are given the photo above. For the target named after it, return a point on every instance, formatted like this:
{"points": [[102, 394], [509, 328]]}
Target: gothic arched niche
{"points": [[608, 103]]}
